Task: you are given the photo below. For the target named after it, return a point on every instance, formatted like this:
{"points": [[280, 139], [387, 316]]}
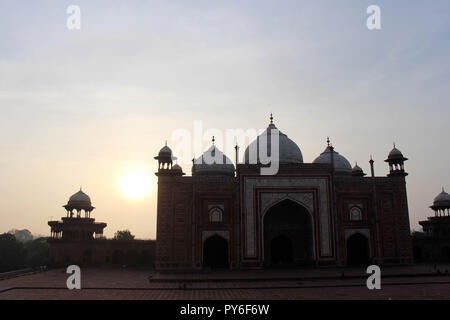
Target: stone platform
{"points": [[412, 282]]}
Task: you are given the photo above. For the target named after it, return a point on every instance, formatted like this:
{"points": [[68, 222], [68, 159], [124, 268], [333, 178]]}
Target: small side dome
{"points": [[176, 167], [213, 162], [442, 200], [341, 164], [357, 171]]}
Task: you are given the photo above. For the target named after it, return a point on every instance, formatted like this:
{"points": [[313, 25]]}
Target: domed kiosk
{"points": [[75, 226], [434, 244], [441, 204], [165, 158], [396, 162], [78, 239]]}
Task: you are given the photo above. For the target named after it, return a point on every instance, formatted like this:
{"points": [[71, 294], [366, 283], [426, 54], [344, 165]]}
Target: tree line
{"points": [[15, 254]]}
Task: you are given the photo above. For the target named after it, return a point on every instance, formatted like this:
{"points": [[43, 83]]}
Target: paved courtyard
{"points": [[415, 282]]}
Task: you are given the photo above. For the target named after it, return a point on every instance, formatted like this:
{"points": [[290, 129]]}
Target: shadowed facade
{"points": [[324, 213]]}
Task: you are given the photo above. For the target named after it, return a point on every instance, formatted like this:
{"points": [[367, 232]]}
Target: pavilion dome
{"points": [[289, 152], [165, 151], [80, 196], [213, 162], [341, 164], [442, 199], [79, 200]]}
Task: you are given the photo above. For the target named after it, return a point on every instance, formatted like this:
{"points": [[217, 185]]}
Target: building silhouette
{"points": [[78, 239], [434, 243], [323, 213]]}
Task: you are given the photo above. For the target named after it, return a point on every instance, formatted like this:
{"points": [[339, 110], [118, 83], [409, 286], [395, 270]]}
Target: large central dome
{"points": [[289, 152]]}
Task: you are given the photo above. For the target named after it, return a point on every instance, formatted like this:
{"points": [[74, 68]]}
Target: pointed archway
{"points": [[358, 251], [288, 235], [281, 250], [215, 252]]}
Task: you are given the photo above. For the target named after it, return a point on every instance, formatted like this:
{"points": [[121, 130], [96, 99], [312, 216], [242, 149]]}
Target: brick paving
{"points": [[415, 282]]}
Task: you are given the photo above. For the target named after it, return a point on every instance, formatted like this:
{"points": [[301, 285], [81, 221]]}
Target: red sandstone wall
{"points": [[209, 194], [394, 223], [385, 214], [174, 223], [101, 252], [178, 198]]}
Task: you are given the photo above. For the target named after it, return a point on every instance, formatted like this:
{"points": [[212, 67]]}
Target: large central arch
{"points": [[288, 235]]}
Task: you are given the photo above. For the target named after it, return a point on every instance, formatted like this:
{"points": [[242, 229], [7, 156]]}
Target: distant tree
{"points": [[22, 235], [36, 252], [123, 235], [12, 253]]}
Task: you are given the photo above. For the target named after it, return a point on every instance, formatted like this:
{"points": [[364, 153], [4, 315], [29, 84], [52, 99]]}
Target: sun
{"points": [[135, 184]]}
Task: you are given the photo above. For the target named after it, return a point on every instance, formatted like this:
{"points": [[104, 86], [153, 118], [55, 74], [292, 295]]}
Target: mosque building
{"points": [[323, 213]]}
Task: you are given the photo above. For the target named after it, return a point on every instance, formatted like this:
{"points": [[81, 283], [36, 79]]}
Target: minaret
{"points": [[372, 171], [236, 148]]}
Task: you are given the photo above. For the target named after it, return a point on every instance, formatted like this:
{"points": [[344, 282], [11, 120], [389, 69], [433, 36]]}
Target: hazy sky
{"points": [[83, 107]]}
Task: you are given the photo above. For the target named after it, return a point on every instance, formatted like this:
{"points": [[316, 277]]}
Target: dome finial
{"points": [[328, 141], [213, 140], [81, 189], [271, 118], [394, 144]]}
